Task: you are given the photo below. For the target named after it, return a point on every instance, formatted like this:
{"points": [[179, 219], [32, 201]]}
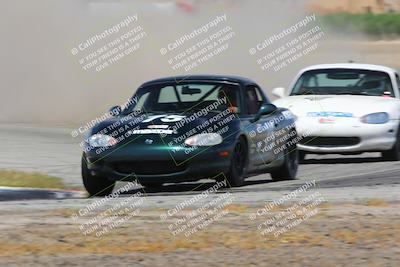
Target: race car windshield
{"points": [[185, 97], [344, 82]]}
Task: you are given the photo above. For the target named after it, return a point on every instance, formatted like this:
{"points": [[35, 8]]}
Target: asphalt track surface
{"points": [[340, 178]]}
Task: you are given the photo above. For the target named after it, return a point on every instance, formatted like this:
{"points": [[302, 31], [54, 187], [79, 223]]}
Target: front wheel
{"points": [[151, 184], [394, 153], [288, 170], [236, 172], [302, 156], [95, 185]]}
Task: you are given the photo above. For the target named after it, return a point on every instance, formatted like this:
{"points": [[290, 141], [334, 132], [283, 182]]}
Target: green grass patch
{"points": [[25, 179], [377, 25]]}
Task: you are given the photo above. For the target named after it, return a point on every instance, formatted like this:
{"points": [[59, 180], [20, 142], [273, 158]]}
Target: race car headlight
{"points": [[101, 140], [207, 139], [375, 118]]}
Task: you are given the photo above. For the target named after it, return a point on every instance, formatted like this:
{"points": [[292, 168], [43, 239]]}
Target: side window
{"points": [[254, 99], [167, 95], [398, 81], [141, 101]]}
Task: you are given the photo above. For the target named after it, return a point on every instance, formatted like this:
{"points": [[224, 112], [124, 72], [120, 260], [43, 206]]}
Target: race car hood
{"points": [[169, 126], [354, 105]]}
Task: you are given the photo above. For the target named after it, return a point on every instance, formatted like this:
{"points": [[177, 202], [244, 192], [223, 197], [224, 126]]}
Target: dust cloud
{"points": [[42, 82]]}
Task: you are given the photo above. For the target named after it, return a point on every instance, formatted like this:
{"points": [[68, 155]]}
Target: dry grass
{"points": [[342, 228], [377, 203], [24, 179], [236, 208], [119, 243]]}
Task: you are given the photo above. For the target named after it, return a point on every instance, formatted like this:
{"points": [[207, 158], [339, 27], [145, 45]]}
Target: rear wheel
{"points": [[235, 175], [394, 153], [95, 185], [288, 170]]}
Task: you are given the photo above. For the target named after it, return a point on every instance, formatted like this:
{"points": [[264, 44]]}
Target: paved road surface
{"points": [[53, 151]]}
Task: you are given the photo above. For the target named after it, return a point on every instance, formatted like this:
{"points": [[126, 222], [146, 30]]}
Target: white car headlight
{"points": [[206, 139], [376, 118], [101, 140]]}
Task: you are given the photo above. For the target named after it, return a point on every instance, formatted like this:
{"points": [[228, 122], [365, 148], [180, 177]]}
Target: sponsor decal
{"points": [[326, 120], [157, 126], [330, 114], [151, 131]]}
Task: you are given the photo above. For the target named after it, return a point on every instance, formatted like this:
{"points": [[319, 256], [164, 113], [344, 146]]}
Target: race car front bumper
{"points": [[160, 164], [346, 138]]}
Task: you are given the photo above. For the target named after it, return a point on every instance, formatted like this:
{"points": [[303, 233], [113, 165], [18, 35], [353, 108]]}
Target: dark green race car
{"points": [[182, 129]]}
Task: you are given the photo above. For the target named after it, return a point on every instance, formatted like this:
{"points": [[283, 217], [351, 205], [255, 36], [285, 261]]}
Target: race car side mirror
{"points": [[279, 92], [265, 109], [115, 111]]}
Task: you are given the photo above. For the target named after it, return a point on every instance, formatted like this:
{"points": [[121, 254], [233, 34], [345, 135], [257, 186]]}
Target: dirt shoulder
{"points": [[365, 234]]}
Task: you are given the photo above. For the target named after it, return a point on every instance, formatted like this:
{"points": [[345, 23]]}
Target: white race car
{"points": [[345, 109]]}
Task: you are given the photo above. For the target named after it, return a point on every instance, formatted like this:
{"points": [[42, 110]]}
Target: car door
{"points": [[261, 132]]}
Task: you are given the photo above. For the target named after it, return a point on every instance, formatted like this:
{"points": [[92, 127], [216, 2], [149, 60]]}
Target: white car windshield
{"points": [[343, 82]]}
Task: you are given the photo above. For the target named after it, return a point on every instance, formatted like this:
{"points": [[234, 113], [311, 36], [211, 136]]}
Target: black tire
{"points": [[151, 184], [220, 178], [288, 170], [95, 185], [394, 153], [302, 156], [236, 172]]}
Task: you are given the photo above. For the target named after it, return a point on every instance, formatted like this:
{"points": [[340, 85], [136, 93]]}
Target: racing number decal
{"points": [[172, 118], [152, 118], [164, 118]]}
